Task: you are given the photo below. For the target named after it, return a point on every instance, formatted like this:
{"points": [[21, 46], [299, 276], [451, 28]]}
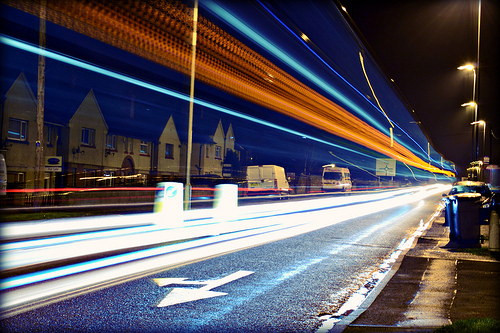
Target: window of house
{"points": [[88, 136], [109, 178], [50, 136], [169, 150], [218, 152], [111, 141], [17, 129], [53, 135], [144, 148]]}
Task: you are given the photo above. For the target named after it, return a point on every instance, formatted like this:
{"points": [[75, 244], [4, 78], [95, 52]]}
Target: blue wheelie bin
{"points": [[465, 223]]}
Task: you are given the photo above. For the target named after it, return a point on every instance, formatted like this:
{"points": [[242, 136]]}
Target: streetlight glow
{"points": [[469, 104], [468, 67]]}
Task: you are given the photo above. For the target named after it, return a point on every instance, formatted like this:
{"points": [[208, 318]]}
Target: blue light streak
{"points": [[301, 68], [341, 77]]}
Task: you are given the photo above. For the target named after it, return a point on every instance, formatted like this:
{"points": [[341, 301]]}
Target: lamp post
{"points": [[470, 67], [481, 122], [473, 68], [474, 131]]}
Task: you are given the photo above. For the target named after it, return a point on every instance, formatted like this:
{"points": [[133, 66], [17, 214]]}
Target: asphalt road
{"points": [[283, 286]]}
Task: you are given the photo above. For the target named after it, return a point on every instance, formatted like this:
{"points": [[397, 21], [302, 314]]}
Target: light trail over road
{"points": [[251, 226]]}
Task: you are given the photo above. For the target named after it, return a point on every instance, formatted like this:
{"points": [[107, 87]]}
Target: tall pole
{"points": [[484, 139], [476, 77], [187, 189], [475, 129], [39, 167]]}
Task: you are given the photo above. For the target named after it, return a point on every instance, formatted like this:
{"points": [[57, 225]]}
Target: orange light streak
{"points": [[160, 31]]}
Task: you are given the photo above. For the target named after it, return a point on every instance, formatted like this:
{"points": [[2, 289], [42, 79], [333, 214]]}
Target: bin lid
{"points": [[468, 196]]}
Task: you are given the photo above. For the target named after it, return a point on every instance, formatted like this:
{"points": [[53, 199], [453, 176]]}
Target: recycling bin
{"points": [[465, 223]]}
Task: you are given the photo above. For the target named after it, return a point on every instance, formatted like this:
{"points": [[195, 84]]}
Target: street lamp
{"points": [[474, 131], [481, 122], [470, 67]]}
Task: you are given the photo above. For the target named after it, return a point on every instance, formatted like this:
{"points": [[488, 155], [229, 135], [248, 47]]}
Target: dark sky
{"points": [[420, 44]]}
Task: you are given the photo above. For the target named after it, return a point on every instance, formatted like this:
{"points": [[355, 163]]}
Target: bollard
{"points": [[169, 204], [226, 201], [494, 237]]}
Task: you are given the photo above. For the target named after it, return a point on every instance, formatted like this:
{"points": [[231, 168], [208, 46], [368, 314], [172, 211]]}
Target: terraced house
{"points": [[95, 139]]}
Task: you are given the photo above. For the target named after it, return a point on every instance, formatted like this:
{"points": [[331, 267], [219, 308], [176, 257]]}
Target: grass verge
{"points": [[484, 325]]}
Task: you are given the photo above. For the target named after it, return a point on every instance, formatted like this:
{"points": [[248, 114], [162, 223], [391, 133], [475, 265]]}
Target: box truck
{"points": [[335, 178], [267, 179]]}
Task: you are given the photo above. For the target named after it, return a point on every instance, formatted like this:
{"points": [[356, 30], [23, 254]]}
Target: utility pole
{"points": [[187, 190], [39, 163]]}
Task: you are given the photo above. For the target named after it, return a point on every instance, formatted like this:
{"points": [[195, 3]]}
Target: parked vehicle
{"points": [[486, 200], [335, 178], [267, 179]]}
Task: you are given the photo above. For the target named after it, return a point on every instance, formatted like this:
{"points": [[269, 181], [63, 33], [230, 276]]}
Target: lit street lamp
{"points": [[470, 67], [474, 132], [481, 122]]}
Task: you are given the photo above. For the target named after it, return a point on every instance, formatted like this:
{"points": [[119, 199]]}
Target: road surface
{"points": [[281, 286]]}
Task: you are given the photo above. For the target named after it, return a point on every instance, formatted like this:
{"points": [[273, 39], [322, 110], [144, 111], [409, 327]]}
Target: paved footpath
{"points": [[436, 284]]}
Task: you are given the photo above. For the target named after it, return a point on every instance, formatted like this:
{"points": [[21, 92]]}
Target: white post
{"points": [[226, 201], [169, 204], [494, 237]]}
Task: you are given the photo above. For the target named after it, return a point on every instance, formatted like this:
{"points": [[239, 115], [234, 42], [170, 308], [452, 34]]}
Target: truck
{"points": [[335, 178], [267, 179]]}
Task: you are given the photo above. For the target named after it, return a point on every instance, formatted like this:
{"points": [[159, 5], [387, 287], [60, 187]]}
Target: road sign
{"points": [[184, 295], [386, 167], [53, 163]]}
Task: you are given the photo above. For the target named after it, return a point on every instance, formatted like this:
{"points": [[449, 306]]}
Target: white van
{"points": [[335, 178], [3, 176], [267, 179]]}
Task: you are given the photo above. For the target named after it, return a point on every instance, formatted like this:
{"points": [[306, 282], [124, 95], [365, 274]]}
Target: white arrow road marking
{"points": [[182, 295], [168, 281]]}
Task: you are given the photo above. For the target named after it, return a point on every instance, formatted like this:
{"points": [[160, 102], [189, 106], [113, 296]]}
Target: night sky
{"points": [[420, 44]]}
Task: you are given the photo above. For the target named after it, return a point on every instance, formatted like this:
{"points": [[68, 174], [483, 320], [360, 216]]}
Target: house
{"points": [[20, 135], [103, 156], [209, 149], [86, 139], [106, 141]]}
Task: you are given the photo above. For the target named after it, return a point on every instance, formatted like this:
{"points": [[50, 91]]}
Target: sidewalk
{"points": [[436, 284]]}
